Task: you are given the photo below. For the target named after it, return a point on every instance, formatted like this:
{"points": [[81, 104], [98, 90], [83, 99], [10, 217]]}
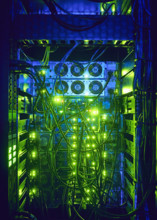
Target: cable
{"points": [[78, 213], [148, 12], [62, 62], [78, 28], [49, 109]]}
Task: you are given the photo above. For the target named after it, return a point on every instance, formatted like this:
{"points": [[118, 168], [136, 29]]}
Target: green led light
{"points": [[43, 90], [43, 72], [88, 190], [74, 155], [33, 173], [14, 147], [58, 99], [88, 145], [86, 41], [88, 137], [93, 127], [93, 145], [93, 119], [116, 91], [31, 117], [74, 145], [105, 135], [60, 111], [74, 127], [88, 119], [10, 149], [32, 135], [73, 137], [93, 163], [90, 100], [87, 198], [10, 163], [95, 112], [93, 137], [88, 155], [10, 156], [74, 119], [14, 159], [74, 173], [104, 117], [34, 190], [33, 154], [104, 154], [104, 172], [14, 153], [74, 163]]}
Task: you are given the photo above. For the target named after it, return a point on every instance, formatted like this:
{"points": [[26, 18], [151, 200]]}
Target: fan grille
{"points": [[77, 87], [61, 87], [95, 87], [77, 69], [95, 69], [61, 69]]}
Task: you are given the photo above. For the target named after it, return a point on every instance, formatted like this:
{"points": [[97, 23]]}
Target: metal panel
{"points": [[44, 27], [80, 7], [86, 78]]}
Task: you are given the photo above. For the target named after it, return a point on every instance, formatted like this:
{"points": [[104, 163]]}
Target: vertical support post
{"points": [[154, 99], [4, 72]]}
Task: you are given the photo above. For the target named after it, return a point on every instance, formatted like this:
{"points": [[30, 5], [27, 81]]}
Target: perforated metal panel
{"points": [[44, 27], [86, 78]]}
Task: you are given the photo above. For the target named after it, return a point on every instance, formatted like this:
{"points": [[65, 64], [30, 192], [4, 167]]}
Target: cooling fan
{"points": [[77, 69], [61, 69], [95, 69], [77, 87], [95, 87], [61, 87]]}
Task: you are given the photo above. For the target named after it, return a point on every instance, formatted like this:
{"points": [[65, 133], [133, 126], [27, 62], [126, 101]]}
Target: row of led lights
{"points": [[12, 155], [76, 127], [59, 99], [104, 135], [74, 155], [32, 136], [33, 172], [88, 191], [88, 155], [32, 175]]}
